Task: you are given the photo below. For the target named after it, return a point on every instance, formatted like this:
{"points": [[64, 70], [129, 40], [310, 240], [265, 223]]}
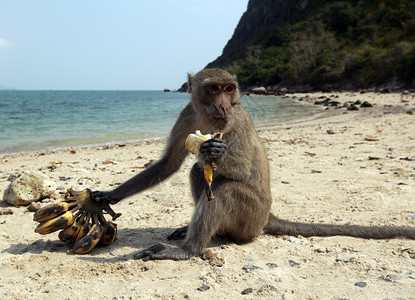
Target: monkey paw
{"points": [[213, 148], [178, 234], [100, 196], [162, 251]]}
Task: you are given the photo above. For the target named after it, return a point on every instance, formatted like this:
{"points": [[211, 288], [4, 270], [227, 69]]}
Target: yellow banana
{"points": [[89, 241], [59, 222], [70, 234], [208, 171], [50, 211], [110, 233], [85, 228]]}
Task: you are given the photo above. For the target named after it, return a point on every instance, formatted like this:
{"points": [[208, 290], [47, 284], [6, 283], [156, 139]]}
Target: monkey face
{"points": [[214, 93], [218, 99]]}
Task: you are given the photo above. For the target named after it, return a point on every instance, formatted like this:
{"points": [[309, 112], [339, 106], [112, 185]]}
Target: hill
{"points": [[323, 44]]}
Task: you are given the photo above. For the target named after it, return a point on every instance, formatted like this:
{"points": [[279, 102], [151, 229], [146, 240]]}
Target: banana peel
{"points": [[192, 144]]}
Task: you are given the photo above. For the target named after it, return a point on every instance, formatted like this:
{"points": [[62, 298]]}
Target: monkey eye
{"points": [[228, 88], [215, 87]]}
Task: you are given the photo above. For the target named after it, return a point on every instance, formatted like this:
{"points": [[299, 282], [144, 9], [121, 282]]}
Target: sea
{"points": [[32, 121]]}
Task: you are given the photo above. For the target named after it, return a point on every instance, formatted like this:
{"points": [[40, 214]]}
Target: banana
{"points": [[89, 241], [110, 233], [208, 171], [194, 140], [59, 222], [192, 144], [70, 234], [84, 228], [50, 211]]}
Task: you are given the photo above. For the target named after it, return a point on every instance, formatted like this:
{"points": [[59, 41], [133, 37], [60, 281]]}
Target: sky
{"points": [[111, 45]]}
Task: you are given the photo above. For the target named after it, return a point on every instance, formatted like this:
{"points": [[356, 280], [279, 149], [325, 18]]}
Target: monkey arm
{"points": [[170, 162]]}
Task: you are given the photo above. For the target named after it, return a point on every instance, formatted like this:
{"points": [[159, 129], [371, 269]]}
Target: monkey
{"points": [[241, 210]]}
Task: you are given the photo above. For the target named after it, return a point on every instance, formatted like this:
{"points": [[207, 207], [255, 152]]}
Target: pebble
{"points": [[352, 107], [251, 268], [366, 104], [294, 240], [203, 288], [271, 265], [247, 291], [34, 206], [345, 258], [294, 264], [6, 211], [361, 284]]}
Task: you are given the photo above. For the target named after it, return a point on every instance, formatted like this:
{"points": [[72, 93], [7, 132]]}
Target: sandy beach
{"points": [[344, 167]]}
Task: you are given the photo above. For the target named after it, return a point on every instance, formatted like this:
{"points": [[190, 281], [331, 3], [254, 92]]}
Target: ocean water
{"points": [[47, 120]]}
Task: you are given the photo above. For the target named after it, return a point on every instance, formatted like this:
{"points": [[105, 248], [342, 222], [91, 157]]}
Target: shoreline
{"points": [[346, 167], [134, 141]]}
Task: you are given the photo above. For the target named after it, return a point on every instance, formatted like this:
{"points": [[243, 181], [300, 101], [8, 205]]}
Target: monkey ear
{"points": [[190, 77]]}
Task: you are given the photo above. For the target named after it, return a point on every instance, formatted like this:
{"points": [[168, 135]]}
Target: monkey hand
{"points": [[100, 196], [162, 251], [213, 149]]}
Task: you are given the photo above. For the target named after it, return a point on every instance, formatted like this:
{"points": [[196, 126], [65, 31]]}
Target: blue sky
{"points": [[107, 45]]}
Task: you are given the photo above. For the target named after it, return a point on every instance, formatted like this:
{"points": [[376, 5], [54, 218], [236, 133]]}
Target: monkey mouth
{"points": [[225, 119]]}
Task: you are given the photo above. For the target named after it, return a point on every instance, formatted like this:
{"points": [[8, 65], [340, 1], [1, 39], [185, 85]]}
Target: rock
{"points": [[259, 90], [345, 258], [366, 104], [6, 211], [267, 290], [352, 107], [251, 268], [294, 264], [361, 284], [34, 206], [29, 187], [203, 288], [247, 291], [293, 240], [213, 258]]}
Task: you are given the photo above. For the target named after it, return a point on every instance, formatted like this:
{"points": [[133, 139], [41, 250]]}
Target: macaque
{"points": [[241, 181]]}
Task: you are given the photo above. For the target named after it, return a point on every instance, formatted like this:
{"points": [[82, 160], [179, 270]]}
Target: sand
{"points": [[323, 170]]}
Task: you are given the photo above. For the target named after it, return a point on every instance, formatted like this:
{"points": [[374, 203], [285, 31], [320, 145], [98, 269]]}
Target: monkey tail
{"points": [[277, 226]]}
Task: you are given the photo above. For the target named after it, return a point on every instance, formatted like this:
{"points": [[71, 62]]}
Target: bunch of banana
{"points": [[192, 144], [81, 220]]}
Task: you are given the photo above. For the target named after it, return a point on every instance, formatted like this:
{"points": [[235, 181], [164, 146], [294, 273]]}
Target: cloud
{"points": [[4, 43]]}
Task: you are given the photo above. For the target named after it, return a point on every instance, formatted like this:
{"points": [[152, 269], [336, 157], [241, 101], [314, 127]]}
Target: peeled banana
{"points": [[80, 219], [192, 144]]}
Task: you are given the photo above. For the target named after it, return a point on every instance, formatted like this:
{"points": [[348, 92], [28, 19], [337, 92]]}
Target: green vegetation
{"points": [[337, 44]]}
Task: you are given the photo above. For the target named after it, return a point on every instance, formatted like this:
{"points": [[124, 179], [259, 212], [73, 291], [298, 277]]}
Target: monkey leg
{"points": [[162, 251], [236, 213], [197, 181]]}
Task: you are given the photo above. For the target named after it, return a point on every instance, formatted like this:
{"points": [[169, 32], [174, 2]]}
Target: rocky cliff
{"points": [[318, 44]]}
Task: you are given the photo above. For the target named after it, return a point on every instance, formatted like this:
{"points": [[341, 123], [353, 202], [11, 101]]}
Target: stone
{"points": [[29, 187], [366, 104]]}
